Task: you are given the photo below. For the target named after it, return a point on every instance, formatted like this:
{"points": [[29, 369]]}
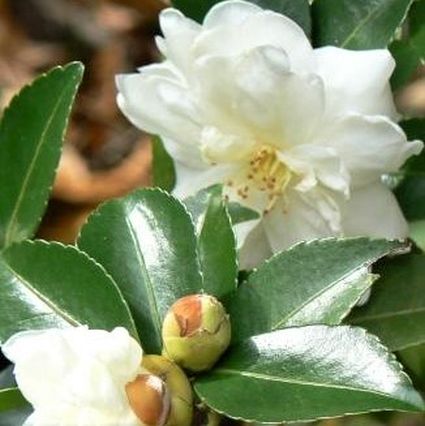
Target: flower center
{"points": [[265, 173]]}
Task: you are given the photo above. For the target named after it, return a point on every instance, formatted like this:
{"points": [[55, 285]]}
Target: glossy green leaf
{"points": [[301, 374], [147, 242], [44, 285], [216, 241], [163, 171], [239, 213], [297, 10], [31, 133], [359, 24], [11, 399], [396, 309], [311, 283]]}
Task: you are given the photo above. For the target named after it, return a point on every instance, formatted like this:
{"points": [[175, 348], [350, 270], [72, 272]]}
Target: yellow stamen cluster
{"points": [[267, 174]]}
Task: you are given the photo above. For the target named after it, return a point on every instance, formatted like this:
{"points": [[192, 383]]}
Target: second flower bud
{"points": [[196, 332]]}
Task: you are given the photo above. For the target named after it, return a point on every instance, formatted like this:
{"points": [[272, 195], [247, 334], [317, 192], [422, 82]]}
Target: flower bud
{"points": [[196, 331], [178, 385], [149, 399]]}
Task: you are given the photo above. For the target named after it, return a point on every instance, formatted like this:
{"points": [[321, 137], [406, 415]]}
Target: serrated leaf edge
{"points": [[23, 91], [210, 196], [172, 200], [67, 247], [390, 357]]}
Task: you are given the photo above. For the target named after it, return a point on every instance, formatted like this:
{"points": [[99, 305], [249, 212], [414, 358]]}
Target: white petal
{"points": [[317, 164], [218, 147], [281, 105], [356, 81], [254, 95], [190, 180], [256, 248], [31, 351], [187, 154], [369, 146], [261, 29], [163, 69], [70, 372], [302, 217], [179, 34], [373, 211], [231, 13], [158, 105]]}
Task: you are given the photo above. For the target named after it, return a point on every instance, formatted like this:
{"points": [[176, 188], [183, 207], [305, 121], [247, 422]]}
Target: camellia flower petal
{"points": [[301, 135], [76, 376]]}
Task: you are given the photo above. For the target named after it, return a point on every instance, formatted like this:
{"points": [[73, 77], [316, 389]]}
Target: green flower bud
{"points": [[196, 331], [180, 391]]}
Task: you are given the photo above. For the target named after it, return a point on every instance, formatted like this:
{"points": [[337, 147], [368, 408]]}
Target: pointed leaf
{"points": [[163, 171], [147, 242], [359, 24], [302, 374], [44, 285], [11, 399], [396, 309], [31, 134], [311, 283], [216, 242], [239, 213]]}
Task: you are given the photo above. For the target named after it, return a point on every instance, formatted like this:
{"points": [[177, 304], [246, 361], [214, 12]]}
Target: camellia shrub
{"points": [[275, 271]]}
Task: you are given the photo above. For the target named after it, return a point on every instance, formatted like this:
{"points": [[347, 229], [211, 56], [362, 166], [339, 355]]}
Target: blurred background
{"points": [[104, 156]]}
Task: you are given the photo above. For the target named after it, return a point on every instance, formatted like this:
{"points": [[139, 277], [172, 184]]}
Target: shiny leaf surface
{"points": [[311, 283], [147, 242], [216, 242], [360, 24], [163, 171], [31, 133], [46, 285], [301, 374], [396, 309]]}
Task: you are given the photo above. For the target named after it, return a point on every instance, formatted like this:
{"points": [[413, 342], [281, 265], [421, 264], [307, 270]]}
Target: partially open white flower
{"points": [[302, 135], [76, 376]]}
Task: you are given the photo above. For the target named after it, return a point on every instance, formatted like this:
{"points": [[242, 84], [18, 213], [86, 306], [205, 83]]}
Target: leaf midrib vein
{"points": [[361, 24], [317, 295], [50, 304], [146, 278], [266, 377], [32, 165]]}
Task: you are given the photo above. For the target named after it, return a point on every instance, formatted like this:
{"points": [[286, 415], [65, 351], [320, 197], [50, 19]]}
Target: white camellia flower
{"points": [[301, 135], [76, 376]]}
